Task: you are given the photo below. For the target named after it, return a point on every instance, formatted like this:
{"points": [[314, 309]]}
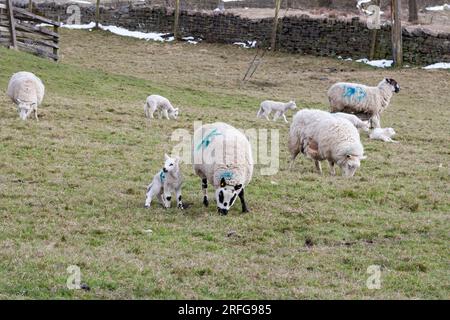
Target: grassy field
{"points": [[72, 185]]}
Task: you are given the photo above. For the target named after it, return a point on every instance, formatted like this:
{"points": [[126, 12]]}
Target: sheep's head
{"points": [[170, 163], [390, 132], [395, 86], [226, 196], [25, 109], [292, 105], [365, 126], [350, 164], [174, 113]]}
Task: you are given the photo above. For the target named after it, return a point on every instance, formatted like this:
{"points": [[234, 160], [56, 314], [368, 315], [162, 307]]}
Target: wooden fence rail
{"points": [[23, 30]]}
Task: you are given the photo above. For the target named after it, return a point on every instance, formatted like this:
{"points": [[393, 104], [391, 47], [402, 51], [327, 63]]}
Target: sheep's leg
{"points": [[151, 191], [284, 117], [291, 165], [35, 114], [332, 168], [179, 203], [166, 114], [167, 197], [266, 114], [276, 115], [205, 192], [375, 120], [318, 166], [152, 111], [244, 205]]}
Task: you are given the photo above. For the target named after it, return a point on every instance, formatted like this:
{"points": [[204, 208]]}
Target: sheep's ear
{"points": [[166, 156], [222, 183], [177, 159], [237, 187], [363, 158]]}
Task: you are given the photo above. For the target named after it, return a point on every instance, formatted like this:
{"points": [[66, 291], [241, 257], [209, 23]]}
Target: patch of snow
{"points": [[439, 8], [121, 32], [79, 26], [247, 44], [440, 65], [377, 63], [80, 1]]}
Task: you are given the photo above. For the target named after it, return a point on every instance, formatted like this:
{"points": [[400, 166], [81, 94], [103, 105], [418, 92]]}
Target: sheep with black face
{"points": [[364, 101], [222, 156]]}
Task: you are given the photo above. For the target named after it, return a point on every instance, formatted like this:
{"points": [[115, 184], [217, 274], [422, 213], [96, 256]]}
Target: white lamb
{"points": [[366, 102], [163, 105], [321, 136], [384, 134], [223, 157], [167, 181], [357, 122], [280, 109], [27, 92]]}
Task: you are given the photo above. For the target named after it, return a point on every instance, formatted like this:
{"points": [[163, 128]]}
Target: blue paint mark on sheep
{"points": [[207, 139], [227, 175], [162, 176], [354, 92]]}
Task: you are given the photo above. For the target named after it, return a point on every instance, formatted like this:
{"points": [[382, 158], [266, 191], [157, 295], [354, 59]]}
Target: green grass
{"points": [[72, 185]]}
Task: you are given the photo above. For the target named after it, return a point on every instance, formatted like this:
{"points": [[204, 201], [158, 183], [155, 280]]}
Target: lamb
{"points": [[168, 180], [357, 122], [280, 109], [321, 136], [163, 105], [384, 134], [27, 91], [362, 100], [222, 156]]}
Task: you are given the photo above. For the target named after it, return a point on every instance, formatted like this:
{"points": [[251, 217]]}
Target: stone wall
{"points": [[303, 34]]}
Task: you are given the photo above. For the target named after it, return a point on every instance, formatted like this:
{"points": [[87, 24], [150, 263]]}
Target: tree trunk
{"points": [[413, 14]]}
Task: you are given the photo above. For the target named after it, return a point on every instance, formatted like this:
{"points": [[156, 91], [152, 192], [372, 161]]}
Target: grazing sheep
{"points": [[362, 100], [223, 157], [165, 182], [280, 109], [384, 134], [163, 105], [27, 92], [357, 122], [321, 136]]}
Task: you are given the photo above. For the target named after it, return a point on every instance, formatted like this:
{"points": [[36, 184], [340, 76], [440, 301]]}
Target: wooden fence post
{"points": [[273, 40], [397, 43], [97, 14], [56, 40], [176, 20], [12, 25]]}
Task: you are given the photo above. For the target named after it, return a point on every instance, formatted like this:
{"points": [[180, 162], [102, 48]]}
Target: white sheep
{"points": [[167, 181], [384, 134], [357, 122], [362, 100], [321, 136], [222, 156], [280, 109], [27, 92], [163, 105]]}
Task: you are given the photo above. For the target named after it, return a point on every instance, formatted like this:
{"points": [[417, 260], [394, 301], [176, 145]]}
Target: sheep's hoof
{"points": [[180, 206], [205, 202], [146, 206]]}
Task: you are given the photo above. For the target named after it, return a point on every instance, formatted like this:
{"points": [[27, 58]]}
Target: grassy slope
{"points": [[72, 187]]}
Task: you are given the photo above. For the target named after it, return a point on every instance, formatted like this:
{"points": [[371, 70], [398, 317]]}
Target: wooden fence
{"points": [[23, 30]]}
